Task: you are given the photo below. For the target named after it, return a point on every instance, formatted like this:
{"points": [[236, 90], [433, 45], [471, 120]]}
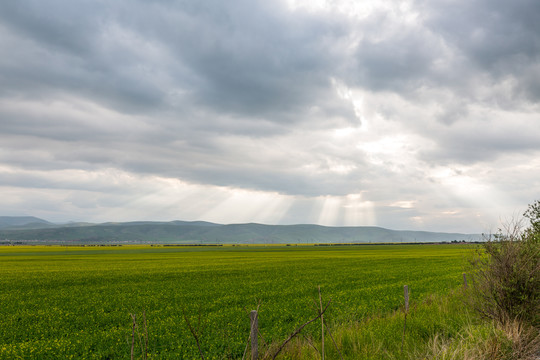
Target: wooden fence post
{"points": [[253, 316], [133, 335], [322, 323], [406, 291], [465, 280]]}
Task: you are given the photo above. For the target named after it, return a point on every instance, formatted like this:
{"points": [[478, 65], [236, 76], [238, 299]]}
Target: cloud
{"points": [[325, 112]]}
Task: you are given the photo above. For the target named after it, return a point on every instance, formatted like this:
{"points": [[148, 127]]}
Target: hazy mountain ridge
{"points": [[23, 222], [201, 232]]}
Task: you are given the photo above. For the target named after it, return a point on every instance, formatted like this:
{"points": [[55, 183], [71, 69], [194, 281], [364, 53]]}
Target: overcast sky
{"points": [[402, 114]]}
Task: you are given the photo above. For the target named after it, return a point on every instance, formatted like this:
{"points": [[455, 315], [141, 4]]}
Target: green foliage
{"points": [[75, 302], [507, 277], [533, 214]]}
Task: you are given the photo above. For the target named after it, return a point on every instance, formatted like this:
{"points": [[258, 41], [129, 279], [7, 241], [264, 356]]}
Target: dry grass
{"points": [[525, 339], [511, 341]]}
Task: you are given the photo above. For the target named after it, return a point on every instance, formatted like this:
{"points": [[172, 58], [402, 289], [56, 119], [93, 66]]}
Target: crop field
{"points": [[75, 302]]}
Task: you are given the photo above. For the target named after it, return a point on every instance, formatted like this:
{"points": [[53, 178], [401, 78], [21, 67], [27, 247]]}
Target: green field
{"points": [[75, 302]]}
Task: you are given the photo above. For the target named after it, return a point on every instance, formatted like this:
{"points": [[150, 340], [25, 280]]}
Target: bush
{"points": [[507, 274]]}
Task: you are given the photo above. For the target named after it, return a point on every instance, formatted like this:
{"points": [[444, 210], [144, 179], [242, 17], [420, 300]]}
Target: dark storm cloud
{"points": [[197, 71], [77, 49], [243, 58], [492, 34], [456, 45], [257, 59], [396, 56]]}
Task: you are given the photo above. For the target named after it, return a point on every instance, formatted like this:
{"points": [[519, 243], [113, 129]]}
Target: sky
{"points": [[420, 115]]}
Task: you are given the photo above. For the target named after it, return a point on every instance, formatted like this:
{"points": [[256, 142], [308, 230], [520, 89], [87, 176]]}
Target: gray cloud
{"points": [[490, 33], [310, 104], [500, 39]]}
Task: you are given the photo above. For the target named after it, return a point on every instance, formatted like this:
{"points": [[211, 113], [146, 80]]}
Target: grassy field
{"points": [[75, 302]]}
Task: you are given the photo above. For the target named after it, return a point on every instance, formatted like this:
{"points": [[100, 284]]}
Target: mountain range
{"points": [[33, 230]]}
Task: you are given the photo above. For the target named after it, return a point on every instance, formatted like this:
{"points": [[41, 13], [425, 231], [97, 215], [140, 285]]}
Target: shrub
{"points": [[507, 273]]}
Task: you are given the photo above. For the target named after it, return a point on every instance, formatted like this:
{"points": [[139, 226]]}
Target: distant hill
{"points": [[25, 222], [200, 232]]}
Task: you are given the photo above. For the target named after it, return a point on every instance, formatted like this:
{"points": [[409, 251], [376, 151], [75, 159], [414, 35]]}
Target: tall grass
{"points": [[440, 327], [498, 317], [380, 336]]}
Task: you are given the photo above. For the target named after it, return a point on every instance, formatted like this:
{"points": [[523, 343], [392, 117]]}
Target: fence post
{"points": [[253, 316], [406, 291], [464, 280], [322, 323]]}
